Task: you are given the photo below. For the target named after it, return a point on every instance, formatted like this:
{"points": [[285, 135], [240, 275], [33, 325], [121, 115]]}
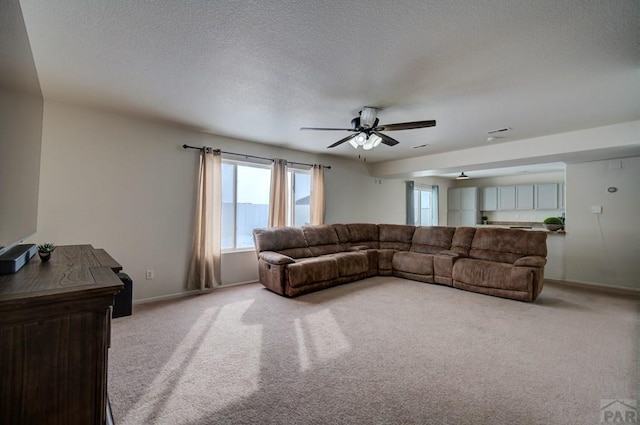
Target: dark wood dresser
{"points": [[55, 325]]}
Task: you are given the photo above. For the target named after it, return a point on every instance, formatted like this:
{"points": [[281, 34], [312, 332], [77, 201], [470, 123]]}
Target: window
{"points": [[245, 202], [425, 204], [299, 188]]}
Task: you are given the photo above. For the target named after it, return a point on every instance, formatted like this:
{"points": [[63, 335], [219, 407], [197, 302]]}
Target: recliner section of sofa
{"points": [[419, 261], [503, 262]]}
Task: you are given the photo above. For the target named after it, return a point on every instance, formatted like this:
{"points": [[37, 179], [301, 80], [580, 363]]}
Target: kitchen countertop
{"points": [[523, 226]]}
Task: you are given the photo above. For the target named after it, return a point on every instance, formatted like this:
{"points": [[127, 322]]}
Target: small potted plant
{"points": [[485, 219], [45, 250], [553, 223]]}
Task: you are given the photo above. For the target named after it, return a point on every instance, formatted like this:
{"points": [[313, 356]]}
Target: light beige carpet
{"points": [[379, 351]]}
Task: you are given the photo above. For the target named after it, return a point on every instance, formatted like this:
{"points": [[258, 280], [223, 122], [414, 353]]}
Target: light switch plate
{"points": [[596, 209]]}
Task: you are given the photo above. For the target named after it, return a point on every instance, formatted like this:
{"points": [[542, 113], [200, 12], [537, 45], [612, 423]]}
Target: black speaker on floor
{"points": [[123, 300]]}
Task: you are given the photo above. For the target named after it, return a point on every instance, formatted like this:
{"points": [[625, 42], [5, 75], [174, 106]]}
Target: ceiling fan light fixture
{"points": [[365, 125], [371, 142], [462, 176], [375, 140], [368, 116]]}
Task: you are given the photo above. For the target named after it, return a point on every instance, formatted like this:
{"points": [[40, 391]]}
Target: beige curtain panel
{"points": [[317, 194], [204, 271], [278, 194]]}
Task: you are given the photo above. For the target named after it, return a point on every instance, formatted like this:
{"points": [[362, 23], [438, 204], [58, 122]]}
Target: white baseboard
{"points": [[595, 285], [187, 293]]}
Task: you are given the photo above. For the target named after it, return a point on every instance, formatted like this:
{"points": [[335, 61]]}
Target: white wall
{"points": [[603, 248], [126, 185]]}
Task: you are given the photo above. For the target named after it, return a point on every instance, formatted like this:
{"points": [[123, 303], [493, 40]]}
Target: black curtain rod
{"points": [[185, 146]]}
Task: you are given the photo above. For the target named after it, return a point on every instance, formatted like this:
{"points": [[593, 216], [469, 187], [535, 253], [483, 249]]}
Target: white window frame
{"points": [[236, 163]]}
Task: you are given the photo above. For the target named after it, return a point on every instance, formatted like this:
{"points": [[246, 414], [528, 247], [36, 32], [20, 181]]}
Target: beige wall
{"points": [[126, 185], [603, 248]]}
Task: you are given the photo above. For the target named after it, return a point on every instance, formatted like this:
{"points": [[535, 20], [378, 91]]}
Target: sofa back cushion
{"points": [[288, 241], [507, 245], [364, 234], [462, 239], [432, 240], [395, 236], [344, 237], [322, 239]]}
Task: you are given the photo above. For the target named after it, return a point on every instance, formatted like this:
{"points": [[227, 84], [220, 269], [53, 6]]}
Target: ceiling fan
{"points": [[368, 132]]}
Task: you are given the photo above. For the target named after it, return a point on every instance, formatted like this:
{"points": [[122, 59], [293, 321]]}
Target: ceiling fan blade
{"points": [[406, 125], [341, 141], [333, 129], [386, 139]]}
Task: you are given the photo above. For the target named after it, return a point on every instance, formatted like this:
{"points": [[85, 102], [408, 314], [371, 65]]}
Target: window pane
{"points": [[228, 215], [252, 204], [302, 199], [425, 208], [416, 207]]}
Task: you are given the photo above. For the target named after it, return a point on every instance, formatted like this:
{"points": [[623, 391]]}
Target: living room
{"points": [[115, 175], [136, 161]]}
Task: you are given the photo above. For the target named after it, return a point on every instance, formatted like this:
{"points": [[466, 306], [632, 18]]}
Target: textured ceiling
{"points": [[260, 70]]}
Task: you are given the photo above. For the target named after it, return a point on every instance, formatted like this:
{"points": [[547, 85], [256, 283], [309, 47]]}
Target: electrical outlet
{"points": [[149, 274]]}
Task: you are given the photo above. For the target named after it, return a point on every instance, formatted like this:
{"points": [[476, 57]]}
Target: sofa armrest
{"points": [[272, 257], [531, 261]]}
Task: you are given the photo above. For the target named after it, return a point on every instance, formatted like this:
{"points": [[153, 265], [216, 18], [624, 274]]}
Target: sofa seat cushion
{"points": [[352, 263], [492, 274], [311, 270], [413, 262]]}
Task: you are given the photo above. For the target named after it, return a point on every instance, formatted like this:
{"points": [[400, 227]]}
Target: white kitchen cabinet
{"points": [[469, 198], [453, 199], [524, 197], [547, 196], [469, 217], [489, 199], [463, 206], [453, 218], [506, 197], [561, 195]]}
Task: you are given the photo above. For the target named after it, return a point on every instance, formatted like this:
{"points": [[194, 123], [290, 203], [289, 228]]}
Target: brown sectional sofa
{"points": [[507, 263]]}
